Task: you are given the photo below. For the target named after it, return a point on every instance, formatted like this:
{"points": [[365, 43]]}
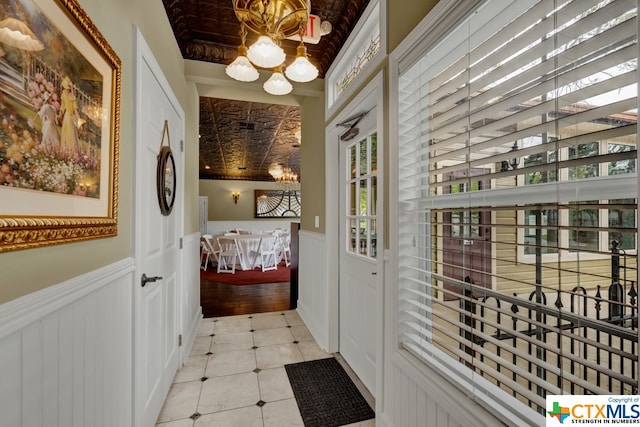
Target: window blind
{"points": [[517, 201]]}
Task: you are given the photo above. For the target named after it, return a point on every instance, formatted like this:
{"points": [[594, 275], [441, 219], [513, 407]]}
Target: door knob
{"points": [[144, 280]]}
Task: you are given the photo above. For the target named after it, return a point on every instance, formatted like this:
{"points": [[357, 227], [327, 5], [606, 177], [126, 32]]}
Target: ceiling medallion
{"points": [[272, 20]]}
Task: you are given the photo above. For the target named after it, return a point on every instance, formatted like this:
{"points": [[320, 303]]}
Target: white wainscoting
{"points": [[66, 353], [313, 288], [190, 293]]}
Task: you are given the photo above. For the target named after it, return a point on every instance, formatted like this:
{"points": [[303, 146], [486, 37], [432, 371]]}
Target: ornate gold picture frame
{"points": [[59, 126]]}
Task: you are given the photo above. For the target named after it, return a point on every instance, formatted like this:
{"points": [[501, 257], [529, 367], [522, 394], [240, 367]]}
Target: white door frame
{"points": [[372, 95], [143, 54]]}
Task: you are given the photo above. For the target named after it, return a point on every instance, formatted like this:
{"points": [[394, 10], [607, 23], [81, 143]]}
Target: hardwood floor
{"points": [[219, 299]]}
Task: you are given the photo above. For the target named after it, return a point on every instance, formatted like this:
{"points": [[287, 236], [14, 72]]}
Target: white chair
{"points": [[283, 248], [286, 244], [208, 251], [227, 256], [268, 255]]}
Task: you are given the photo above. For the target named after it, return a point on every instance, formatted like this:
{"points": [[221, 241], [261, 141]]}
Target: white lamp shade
{"points": [[242, 70], [265, 53], [277, 84], [301, 70]]}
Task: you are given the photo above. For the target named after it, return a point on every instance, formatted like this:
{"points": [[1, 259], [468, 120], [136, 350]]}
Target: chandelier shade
{"points": [[265, 53], [241, 68], [301, 70], [277, 83]]}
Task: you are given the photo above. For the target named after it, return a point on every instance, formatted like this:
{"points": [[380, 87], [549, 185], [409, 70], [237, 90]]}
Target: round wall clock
{"points": [[166, 180]]}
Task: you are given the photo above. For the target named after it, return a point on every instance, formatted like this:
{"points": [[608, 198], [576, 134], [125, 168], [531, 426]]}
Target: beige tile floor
{"points": [[235, 374]]}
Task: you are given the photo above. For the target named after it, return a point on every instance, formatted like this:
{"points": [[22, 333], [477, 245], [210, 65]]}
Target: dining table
{"points": [[248, 248]]}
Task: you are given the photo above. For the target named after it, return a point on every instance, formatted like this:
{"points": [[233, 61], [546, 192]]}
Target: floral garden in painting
{"points": [[50, 107]]}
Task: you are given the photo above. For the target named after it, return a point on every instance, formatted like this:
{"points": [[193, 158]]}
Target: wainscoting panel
{"points": [[190, 294], [66, 353], [313, 289]]}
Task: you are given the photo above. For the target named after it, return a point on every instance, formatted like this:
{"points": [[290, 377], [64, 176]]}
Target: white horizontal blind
{"points": [[518, 198]]}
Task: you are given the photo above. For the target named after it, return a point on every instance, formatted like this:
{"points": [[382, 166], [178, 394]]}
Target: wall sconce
{"points": [[235, 196]]}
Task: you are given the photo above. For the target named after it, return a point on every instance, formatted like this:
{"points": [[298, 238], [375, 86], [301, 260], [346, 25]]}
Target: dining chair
{"points": [[268, 255], [283, 248], [208, 252], [227, 256]]}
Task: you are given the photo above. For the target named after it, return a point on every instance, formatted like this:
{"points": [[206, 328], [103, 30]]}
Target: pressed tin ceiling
{"points": [[240, 140]]}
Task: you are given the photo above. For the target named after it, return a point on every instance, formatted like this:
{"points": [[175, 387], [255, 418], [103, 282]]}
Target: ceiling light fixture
{"points": [[273, 21], [241, 68], [277, 84], [285, 178]]}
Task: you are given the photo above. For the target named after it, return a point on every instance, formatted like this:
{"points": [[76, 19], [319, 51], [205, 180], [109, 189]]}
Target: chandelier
{"points": [[272, 21], [284, 177]]}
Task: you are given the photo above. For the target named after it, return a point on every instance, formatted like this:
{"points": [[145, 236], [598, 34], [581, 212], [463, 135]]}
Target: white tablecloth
{"points": [[248, 245]]}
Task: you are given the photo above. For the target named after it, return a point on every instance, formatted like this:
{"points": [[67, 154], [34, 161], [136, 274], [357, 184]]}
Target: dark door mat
{"points": [[325, 394]]}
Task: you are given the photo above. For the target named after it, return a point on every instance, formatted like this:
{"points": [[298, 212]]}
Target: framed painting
{"points": [[278, 204], [59, 126]]}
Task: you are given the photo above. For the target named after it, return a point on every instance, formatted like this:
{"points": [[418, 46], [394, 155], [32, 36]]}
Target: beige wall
{"points": [[312, 165], [26, 271], [221, 205]]}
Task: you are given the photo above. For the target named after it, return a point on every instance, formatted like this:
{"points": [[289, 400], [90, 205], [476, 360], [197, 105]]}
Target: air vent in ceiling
{"points": [[246, 126]]}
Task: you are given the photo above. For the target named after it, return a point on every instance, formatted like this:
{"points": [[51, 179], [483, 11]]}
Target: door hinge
{"points": [[180, 340], [181, 243], [182, 145]]}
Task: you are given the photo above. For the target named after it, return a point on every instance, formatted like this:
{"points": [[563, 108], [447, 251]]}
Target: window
{"points": [[362, 190], [517, 154]]}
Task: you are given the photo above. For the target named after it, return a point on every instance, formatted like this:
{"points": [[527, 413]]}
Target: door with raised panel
{"points": [[157, 237]]}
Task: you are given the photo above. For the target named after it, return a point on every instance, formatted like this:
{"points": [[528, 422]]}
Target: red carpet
{"points": [[248, 277]]}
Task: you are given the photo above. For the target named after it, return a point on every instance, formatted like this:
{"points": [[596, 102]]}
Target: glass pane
{"points": [[353, 235], [362, 238], [581, 151], [374, 194], [621, 166], [457, 229], [373, 251], [364, 169], [548, 242], [540, 158], [352, 161], [374, 153], [582, 221], [622, 217], [364, 197], [352, 198]]}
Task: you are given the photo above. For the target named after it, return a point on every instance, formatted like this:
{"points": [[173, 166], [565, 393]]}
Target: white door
{"points": [[359, 251], [157, 237]]}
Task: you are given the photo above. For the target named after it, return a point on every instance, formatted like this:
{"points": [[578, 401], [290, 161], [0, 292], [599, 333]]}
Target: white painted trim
{"points": [[372, 95], [17, 314], [347, 50]]}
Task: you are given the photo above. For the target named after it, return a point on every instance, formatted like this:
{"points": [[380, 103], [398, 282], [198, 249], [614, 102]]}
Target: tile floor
{"points": [[235, 374]]}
